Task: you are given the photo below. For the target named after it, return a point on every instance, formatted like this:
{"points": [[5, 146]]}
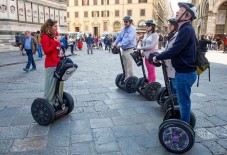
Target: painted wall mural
{"points": [[41, 14], [3, 9], [21, 11], [35, 13], [28, 7], [51, 13], [56, 13], [12, 5], [63, 17], [47, 15]]}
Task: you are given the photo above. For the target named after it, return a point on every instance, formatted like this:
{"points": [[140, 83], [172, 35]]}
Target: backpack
{"points": [[201, 62]]}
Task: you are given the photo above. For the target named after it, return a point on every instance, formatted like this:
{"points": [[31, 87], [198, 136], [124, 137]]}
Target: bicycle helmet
{"points": [[190, 8], [172, 21], [127, 18], [150, 22]]}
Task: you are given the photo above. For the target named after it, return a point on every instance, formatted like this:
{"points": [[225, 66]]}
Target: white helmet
{"points": [[190, 8]]}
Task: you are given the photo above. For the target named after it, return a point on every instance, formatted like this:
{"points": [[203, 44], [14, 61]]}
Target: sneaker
{"points": [[25, 69], [33, 69]]}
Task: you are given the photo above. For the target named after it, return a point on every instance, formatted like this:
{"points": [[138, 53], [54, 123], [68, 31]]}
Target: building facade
{"points": [[212, 17], [21, 15], [99, 16]]}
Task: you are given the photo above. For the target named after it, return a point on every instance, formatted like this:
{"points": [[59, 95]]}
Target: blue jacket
{"points": [[64, 42], [127, 37], [183, 51], [89, 40]]}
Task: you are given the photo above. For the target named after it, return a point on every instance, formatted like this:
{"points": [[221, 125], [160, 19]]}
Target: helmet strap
{"points": [[179, 20]]}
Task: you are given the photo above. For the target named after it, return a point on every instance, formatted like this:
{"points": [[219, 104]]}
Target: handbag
{"points": [[115, 50], [137, 57]]}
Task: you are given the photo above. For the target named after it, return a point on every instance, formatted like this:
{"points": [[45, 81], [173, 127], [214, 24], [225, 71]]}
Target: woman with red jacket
{"points": [[50, 41]]}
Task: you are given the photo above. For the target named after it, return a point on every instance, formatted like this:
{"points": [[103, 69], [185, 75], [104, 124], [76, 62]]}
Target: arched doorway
{"points": [[116, 26], [141, 26], [221, 19]]}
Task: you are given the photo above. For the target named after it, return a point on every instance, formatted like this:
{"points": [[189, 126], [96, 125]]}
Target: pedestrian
{"points": [[203, 44], [225, 46], [183, 57], [110, 41], [64, 43], [89, 42], [100, 42], [21, 40], [106, 42], [39, 48], [79, 44], [150, 45], [71, 43], [29, 44], [160, 41], [173, 26], [50, 42], [127, 41], [17, 38]]}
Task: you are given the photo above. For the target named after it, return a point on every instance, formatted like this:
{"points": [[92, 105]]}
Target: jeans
{"points": [[30, 59], [150, 71], [184, 82], [173, 85], [39, 49], [89, 47]]}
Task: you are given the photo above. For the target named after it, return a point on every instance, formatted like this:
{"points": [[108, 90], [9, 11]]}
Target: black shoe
{"points": [[25, 69], [33, 69]]}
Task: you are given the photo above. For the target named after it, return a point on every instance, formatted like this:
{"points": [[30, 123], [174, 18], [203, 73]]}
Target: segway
{"points": [[175, 135], [127, 85], [143, 86], [164, 95], [44, 111]]}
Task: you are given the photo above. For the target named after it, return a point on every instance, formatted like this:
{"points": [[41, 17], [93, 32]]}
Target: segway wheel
{"points": [[169, 115], [162, 93], [118, 79], [168, 102], [139, 84], [130, 84], [69, 102], [176, 136], [42, 111], [151, 90]]}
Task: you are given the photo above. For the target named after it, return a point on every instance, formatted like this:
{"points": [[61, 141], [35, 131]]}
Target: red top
{"points": [[226, 41], [49, 47]]}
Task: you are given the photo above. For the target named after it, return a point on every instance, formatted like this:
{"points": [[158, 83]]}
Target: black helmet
{"points": [[150, 22], [172, 21], [127, 18], [190, 8]]}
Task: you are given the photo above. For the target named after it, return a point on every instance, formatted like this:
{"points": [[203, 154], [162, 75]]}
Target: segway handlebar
{"points": [[60, 54], [150, 58]]}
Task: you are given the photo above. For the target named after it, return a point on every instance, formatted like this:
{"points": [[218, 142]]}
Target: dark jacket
{"points": [[203, 44], [183, 51], [33, 44], [89, 40]]}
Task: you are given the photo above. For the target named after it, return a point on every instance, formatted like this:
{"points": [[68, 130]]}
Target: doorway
{"points": [[95, 31], [77, 29]]}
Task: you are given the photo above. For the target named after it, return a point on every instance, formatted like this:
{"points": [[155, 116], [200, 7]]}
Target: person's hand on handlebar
{"points": [[155, 60]]}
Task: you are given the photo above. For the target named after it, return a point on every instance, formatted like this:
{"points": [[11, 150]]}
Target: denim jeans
{"points": [[89, 47], [39, 49], [184, 82], [173, 85], [30, 59]]}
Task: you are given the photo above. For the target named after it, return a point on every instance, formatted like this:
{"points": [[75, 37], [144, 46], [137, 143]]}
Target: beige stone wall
{"points": [[88, 23]]}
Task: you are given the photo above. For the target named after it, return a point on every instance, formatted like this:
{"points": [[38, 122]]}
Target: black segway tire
{"points": [[42, 111], [69, 102], [118, 79], [161, 94], [176, 136], [151, 90], [139, 84], [169, 115], [130, 84], [168, 102]]}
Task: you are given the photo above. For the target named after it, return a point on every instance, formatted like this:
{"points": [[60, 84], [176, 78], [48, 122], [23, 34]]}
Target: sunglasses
{"points": [[126, 21], [148, 25]]}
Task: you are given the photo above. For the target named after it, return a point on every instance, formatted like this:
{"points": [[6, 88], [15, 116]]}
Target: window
{"points": [[67, 14], [220, 29], [142, 1], [85, 14], [85, 2], [105, 26], [116, 1], [95, 13], [117, 23], [76, 14], [129, 1], [105, 13], [116, 13], [95, 2], [75, 2], [129, 12], [105, 2], [142, 12]]}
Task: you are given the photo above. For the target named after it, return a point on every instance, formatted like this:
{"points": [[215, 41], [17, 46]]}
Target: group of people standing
{"points": [[179, 55]]}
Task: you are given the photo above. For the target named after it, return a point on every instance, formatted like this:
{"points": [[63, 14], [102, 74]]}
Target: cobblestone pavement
{"points": [[106, 120]]}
